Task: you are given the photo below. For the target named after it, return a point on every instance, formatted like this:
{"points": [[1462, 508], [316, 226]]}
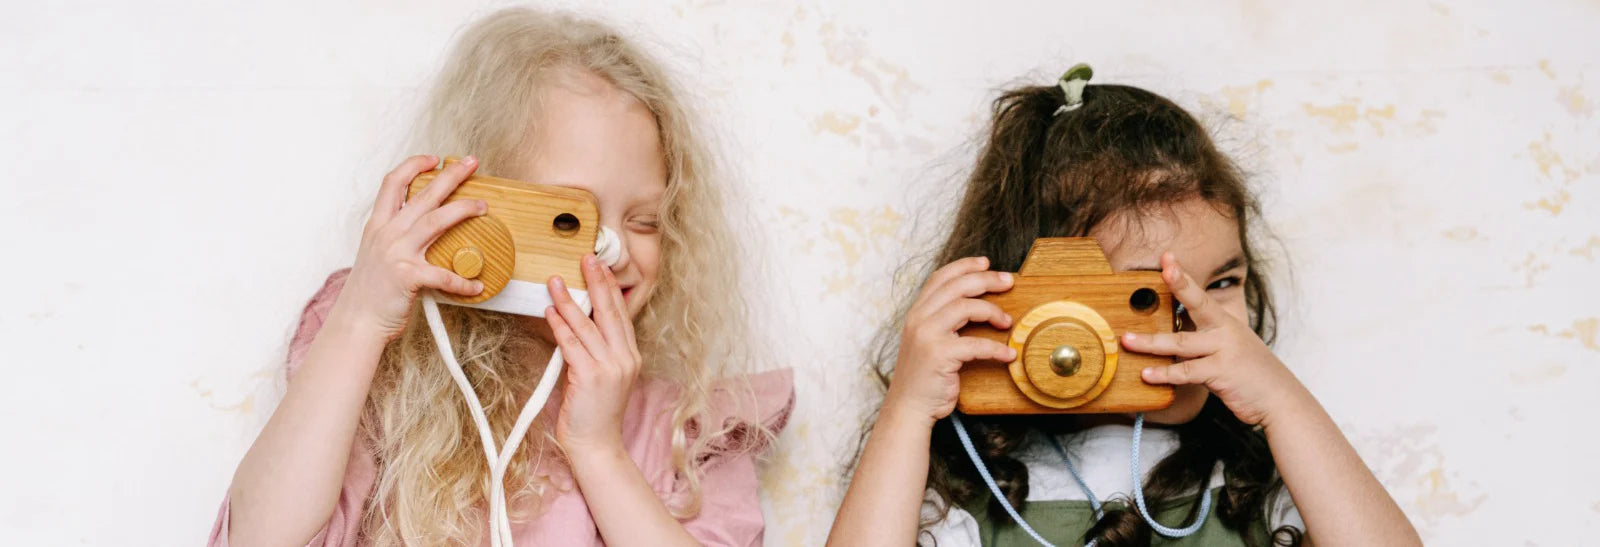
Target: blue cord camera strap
{"points": [[1094, 502]]}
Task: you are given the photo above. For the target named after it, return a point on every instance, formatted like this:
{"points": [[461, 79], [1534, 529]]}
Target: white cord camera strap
{"points": [[608, 249]]}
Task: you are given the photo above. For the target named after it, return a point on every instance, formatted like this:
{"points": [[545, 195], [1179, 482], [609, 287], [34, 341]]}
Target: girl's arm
{"points": [[883, 504], [1331, 487], [288, 483], [1340, 500]]}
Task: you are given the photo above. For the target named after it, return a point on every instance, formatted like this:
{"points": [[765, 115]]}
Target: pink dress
{"points": [[730, 512]]}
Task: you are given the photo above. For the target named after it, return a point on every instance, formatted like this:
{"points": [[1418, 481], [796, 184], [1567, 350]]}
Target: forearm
{"points": [[288, 482], [1340, 500], [884, 502], [625, 509]]}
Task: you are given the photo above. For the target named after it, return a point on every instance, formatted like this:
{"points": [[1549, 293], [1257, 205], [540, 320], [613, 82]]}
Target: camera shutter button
{"points": [[1065, 360], [468, 262]]}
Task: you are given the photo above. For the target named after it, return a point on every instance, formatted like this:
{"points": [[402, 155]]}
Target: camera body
{"points": [[531, 232], [1068, 308]]}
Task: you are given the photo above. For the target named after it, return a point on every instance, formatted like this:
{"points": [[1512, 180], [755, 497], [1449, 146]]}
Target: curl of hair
{"points": [[431, 471]]}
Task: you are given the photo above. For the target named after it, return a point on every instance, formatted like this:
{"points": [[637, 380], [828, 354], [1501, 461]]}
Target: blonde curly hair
{"points": [[431, 476]]}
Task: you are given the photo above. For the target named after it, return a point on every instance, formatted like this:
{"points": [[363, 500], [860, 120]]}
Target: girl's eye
{"points": [[644, 225], [1224, 283]]}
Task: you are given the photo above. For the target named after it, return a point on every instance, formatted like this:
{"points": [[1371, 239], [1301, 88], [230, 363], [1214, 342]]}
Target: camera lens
{"points": [[1144, 300]]}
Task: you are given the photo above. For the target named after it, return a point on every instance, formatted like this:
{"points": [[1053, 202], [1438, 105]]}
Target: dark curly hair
{"points": [[1041, 174]]}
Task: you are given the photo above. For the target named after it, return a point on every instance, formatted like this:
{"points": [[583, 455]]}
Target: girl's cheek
{"points": [[1233, 302]]}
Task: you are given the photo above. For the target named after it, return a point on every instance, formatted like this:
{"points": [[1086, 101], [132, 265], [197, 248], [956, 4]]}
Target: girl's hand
{"points": [[602, 358], [925, 382], [1223, 353], [390, 268]]}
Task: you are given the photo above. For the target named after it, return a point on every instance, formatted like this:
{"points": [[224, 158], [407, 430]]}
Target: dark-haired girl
{"points": [[1244, 456]]}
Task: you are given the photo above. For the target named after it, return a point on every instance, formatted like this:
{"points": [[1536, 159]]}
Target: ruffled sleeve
{"points": [[344, 525], [744, 416]]}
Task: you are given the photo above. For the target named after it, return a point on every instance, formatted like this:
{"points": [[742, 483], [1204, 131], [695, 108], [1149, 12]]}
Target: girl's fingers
{"points": [[1193, 371], [572, 348], [438, 221], [622, 307], [434, 277], [573, 316], [437, 190], [951, 271], [604, 295], [971, 348], [1192, 295], [1177, 344], [970, 285], [392, 193], [969, 310]]}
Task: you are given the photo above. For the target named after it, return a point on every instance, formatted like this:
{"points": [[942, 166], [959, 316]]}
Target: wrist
{"points": [[354, 326], [584, 457], [900, 414], [1293, 406]]}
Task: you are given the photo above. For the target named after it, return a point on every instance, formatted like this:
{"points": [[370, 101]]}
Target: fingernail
{"points": [[483, 207], [477, 287], [588, 261], [1147, 373], [1008, 318], [555, 281], [1128, 337], [1005, 277], [984, 260], [1012, 353]]}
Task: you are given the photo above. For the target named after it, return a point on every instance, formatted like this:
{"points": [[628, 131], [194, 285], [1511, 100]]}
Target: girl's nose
{"points": [[610, 249]]}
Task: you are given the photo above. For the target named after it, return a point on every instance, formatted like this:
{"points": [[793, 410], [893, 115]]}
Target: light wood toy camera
{"points": [[531, 232], [1068, 309]]}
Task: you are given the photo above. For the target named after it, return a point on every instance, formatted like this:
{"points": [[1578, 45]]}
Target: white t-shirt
{"points": [[1101, 455]]}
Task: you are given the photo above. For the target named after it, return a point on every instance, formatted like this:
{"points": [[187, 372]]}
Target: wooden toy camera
{"points": [[1068, 309], [531, 232]]}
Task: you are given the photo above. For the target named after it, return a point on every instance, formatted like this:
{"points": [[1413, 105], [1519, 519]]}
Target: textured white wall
{"points": [[184, 175]]}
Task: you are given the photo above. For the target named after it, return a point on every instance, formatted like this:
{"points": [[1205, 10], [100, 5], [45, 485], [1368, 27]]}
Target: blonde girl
{"points": [[644, 444]]}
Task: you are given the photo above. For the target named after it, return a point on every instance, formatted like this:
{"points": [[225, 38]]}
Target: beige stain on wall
{"points": [[890, 82], [1239, 99], [1587, 250], [1550, 163], [1538, 375], [1349, 117], [1409, 462], [1552, 204], [854, 233], [246, 406], [788, 475], [837, 123], [1551, 167], [1531, 267], [1584, 331], [1462, 233], [1571, 97]]}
